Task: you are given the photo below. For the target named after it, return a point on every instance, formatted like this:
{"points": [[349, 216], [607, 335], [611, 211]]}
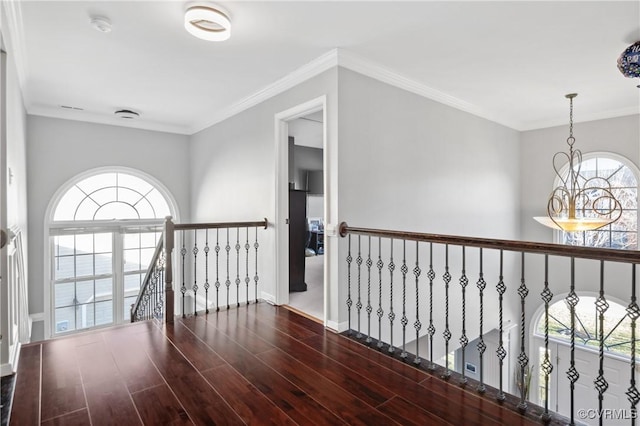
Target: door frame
{"points": [[281, 296]]}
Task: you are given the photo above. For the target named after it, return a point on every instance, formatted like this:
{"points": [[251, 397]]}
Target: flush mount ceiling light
{"points": [[207, 23], [102, 24], [579, 203], [127, 113]]}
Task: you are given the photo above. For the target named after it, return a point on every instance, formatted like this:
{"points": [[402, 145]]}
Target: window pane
{"points": [[64, 267], [129, 196], [104, 289], [146, 255], [145, 210], [84, 265], [103, 243], [131, 241], [84, 243], [104, 195], [104, 263], [85, 316], [116, 210], [133, 182], [132, 283], [159, 203], [104, 312], [86, 210], [84, 291], [65, 319], [150, 239], [64, 294], [96, 182], [66, 208], [64, 245], [132, 260]]}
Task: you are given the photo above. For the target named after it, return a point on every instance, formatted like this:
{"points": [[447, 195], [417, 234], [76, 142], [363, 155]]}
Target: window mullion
{"points": [[118, 275]]}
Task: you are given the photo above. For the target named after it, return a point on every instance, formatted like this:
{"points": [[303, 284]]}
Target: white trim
{"points": [[338, 327], [282, 201], [584, 117], [317, 66], [14, 358], [268, 297], [14, 37], [38, 316]]}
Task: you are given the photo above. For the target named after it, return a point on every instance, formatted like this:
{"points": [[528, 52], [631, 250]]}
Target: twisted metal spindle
{"points": [[447, 333], [482, 347], [464, 340], [431, 330], [501, 352], [633, 396], [227, 283], [183, 287], [349, 301], [247, 280], [206, 271], [380, 311], [392, 315], [601, 307], [404, 321], [359, 302], [195, 272], [237, 281], [217, 283], [523, 359], [417, 325], [572, 374], [256, 245], [369, 308], [547, 366]]}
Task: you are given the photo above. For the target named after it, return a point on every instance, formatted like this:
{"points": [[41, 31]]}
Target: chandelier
{"points": [[579, 203]]}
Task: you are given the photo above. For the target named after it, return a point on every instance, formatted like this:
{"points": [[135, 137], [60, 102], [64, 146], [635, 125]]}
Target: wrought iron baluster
{"points": [[464, 340], [206, 271], [369, 307], [359, 302], [601, 306], [431, 330], [349, 301], [482, 347], [247, 280], [183, 288], [255, 277], [237, 247], [195, 272], [227, 283], [404, 321], [572, 374], [523, 359], [447, 333], [501, 352], [380, 311], [392, 315], [547, 366], [417, 325], [633, 396], [217, 283]]}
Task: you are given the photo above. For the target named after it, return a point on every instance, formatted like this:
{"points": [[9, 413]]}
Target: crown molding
{"points": [[14, 37], [376, 71], [584, 117], [311, 69]]}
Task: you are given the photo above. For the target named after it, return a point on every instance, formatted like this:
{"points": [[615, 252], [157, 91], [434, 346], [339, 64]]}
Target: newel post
{"points": [[168, 276]]}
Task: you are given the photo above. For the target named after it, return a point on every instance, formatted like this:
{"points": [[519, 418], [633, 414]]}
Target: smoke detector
{"points": [[100, 23], [127, 113]]}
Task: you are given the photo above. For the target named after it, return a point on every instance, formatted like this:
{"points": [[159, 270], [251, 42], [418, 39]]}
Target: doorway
{"points": [[306, 214], [294, 128]]}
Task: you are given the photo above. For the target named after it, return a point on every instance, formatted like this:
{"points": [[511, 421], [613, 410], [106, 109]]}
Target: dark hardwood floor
{"points": [[252, 365]]}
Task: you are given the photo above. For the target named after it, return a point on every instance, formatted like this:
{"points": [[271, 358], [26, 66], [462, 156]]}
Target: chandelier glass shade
{"points": [[579, 203]]}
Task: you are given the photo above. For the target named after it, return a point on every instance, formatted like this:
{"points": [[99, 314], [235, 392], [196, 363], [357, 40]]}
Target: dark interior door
{"points": [[297, 239]]}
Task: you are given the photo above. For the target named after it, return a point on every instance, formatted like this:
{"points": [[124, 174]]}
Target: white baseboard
{"points": [[14, 357], [269, 298], [38, 316], [337, 326]]}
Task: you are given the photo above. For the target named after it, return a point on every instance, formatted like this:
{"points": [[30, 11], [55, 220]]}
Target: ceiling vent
{"points": [[127, 113], [100, 23]]}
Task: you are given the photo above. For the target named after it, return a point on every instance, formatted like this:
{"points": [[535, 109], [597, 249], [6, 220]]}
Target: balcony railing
{"points": [[409, 290], [220, 257]]}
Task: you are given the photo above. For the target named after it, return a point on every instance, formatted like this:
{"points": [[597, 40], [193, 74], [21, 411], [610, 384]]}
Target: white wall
{"points": [[233, 166], [58, 150]]}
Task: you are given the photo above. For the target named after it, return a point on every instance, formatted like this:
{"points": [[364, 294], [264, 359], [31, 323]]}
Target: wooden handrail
{"points": [[214, 225], [614, 255]]}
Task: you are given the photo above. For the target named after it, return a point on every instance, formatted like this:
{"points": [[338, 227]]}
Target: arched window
{"points": [[103, 231], [617, 325], [623, 177]]}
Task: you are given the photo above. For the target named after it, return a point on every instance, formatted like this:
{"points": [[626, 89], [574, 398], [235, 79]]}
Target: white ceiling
{"points": [[511, 62]]}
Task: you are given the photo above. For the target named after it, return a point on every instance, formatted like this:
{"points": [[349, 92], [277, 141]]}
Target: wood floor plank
{"points": [[201, 402], [409, 414], [344, 404], [231, 323], [108, 398], [159, 406], [200, 355], [62, 391], [296, 403], [250, 404], [77, 418], [26, 399]]}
